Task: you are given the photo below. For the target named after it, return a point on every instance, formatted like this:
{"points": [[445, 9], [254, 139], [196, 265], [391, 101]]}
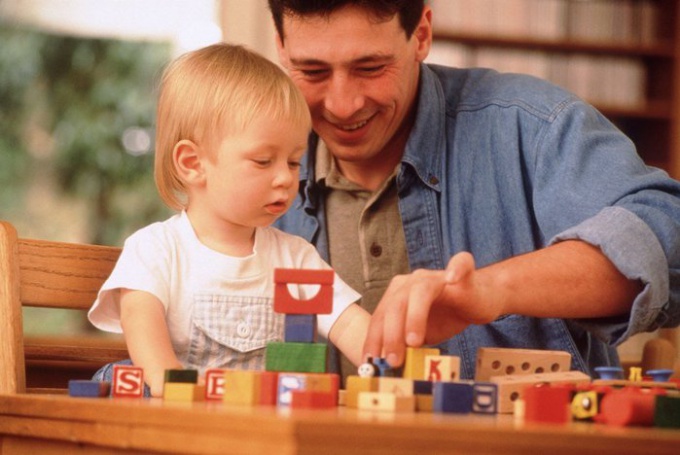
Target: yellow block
{"points": [[182, 391], [357, 384], [385, 401], [241, 387], [414, 366]]}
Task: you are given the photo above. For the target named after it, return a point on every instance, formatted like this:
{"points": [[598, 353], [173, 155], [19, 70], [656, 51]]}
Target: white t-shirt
{"points": [[219, 309]]}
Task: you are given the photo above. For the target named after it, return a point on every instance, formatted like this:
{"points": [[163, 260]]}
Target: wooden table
{"points": [[51, 424]]}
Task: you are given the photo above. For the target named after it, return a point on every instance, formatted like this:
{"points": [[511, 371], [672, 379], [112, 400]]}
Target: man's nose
{"points": [[344, 97]]}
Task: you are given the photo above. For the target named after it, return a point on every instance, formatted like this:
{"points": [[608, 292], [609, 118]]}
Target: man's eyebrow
{"points": [[373, 58]]}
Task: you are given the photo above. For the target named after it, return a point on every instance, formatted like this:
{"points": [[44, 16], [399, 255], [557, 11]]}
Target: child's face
{"points": [[253, 177]]}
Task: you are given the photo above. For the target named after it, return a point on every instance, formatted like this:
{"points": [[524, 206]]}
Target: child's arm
{"points": [[349, 332], [142, 318]]}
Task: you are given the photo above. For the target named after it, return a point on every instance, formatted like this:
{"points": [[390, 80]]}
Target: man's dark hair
{"points": [[409, 11]]}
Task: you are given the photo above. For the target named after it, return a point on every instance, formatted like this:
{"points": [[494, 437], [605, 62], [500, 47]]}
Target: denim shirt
{"points": [[500, 165]]}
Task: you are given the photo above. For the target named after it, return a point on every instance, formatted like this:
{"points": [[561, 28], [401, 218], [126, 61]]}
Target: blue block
{"points": [[300, 328], [452, 397], [91, 389]]}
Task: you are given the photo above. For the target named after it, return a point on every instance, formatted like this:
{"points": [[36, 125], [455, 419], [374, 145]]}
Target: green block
{"points": [[667, 412], [296, 357]]}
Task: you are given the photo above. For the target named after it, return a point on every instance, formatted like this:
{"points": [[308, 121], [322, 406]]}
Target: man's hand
{"points": [[429, 306]]}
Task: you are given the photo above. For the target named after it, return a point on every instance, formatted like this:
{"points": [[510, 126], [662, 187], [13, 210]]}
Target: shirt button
{"points": [[376, 250], [243, 330]]}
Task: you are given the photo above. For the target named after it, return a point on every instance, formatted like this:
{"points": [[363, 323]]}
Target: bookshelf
{"points": [[622, 56]]}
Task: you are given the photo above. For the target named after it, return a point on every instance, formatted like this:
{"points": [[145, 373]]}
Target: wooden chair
{"points": [[52, 275]]}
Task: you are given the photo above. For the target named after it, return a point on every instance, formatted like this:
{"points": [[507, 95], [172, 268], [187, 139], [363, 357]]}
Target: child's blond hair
{"points": [[214, 91]]}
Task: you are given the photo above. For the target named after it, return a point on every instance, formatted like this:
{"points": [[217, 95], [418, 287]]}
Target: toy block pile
{"points": [[535, 385], [295, 369]]}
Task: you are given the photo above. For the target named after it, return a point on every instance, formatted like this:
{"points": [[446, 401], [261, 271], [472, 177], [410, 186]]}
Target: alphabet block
{"points": [[414, 365], [321, 303], [442, 368], [128, 382], [296, 357], [90, 389], [484, 398], [504, 361], [214, 384], [355, 385], [300, 328], [452, 397], [511, 387], [269, 388], [385, 401]]}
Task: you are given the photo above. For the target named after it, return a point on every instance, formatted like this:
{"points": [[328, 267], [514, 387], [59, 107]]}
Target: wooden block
{"points": [[357, 384], [627, 407], [504, 361], [128, 382], [183, 391], [585, 405], [667, 411], [424, 403], [321, 303], [414, 365], [241, 387], [511, 388], [401, 387], [484, 398], [546, 404], [187, 376], [289, 382], [311, 399], [452, 397], [269, 388], [385, 401], [300, 328], [421, 387], [442, 368], [214, 384], [90, 389], [296, 357]]}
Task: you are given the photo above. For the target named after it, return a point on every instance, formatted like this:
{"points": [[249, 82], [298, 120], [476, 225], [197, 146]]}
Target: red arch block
{"points": [[321, 303]]}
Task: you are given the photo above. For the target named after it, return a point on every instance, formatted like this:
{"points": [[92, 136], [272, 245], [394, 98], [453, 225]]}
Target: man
{"points": [[474, 208]]}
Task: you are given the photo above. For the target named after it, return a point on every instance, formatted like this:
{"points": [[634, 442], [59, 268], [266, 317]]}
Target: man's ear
{"points": [[423, 34], [186, 157]]}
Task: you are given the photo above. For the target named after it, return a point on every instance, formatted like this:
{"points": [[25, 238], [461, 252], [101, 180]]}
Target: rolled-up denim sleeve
{"points": [[635, 251]]}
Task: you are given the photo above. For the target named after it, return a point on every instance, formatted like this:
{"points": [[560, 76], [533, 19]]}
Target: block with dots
{"points": [[506, 361]]}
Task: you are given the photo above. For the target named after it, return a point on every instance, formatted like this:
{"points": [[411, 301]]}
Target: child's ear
{"points": [[186, 157]]}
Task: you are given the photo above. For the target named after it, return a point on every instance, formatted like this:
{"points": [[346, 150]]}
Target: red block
{"points": [[128, 382], [214, 384], [269, 387], [313, 399], [321, 303], [547, 404], [627, 407]]}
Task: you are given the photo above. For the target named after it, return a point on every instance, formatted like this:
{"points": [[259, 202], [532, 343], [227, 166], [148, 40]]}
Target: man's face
{"points": [[359, 77]]}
